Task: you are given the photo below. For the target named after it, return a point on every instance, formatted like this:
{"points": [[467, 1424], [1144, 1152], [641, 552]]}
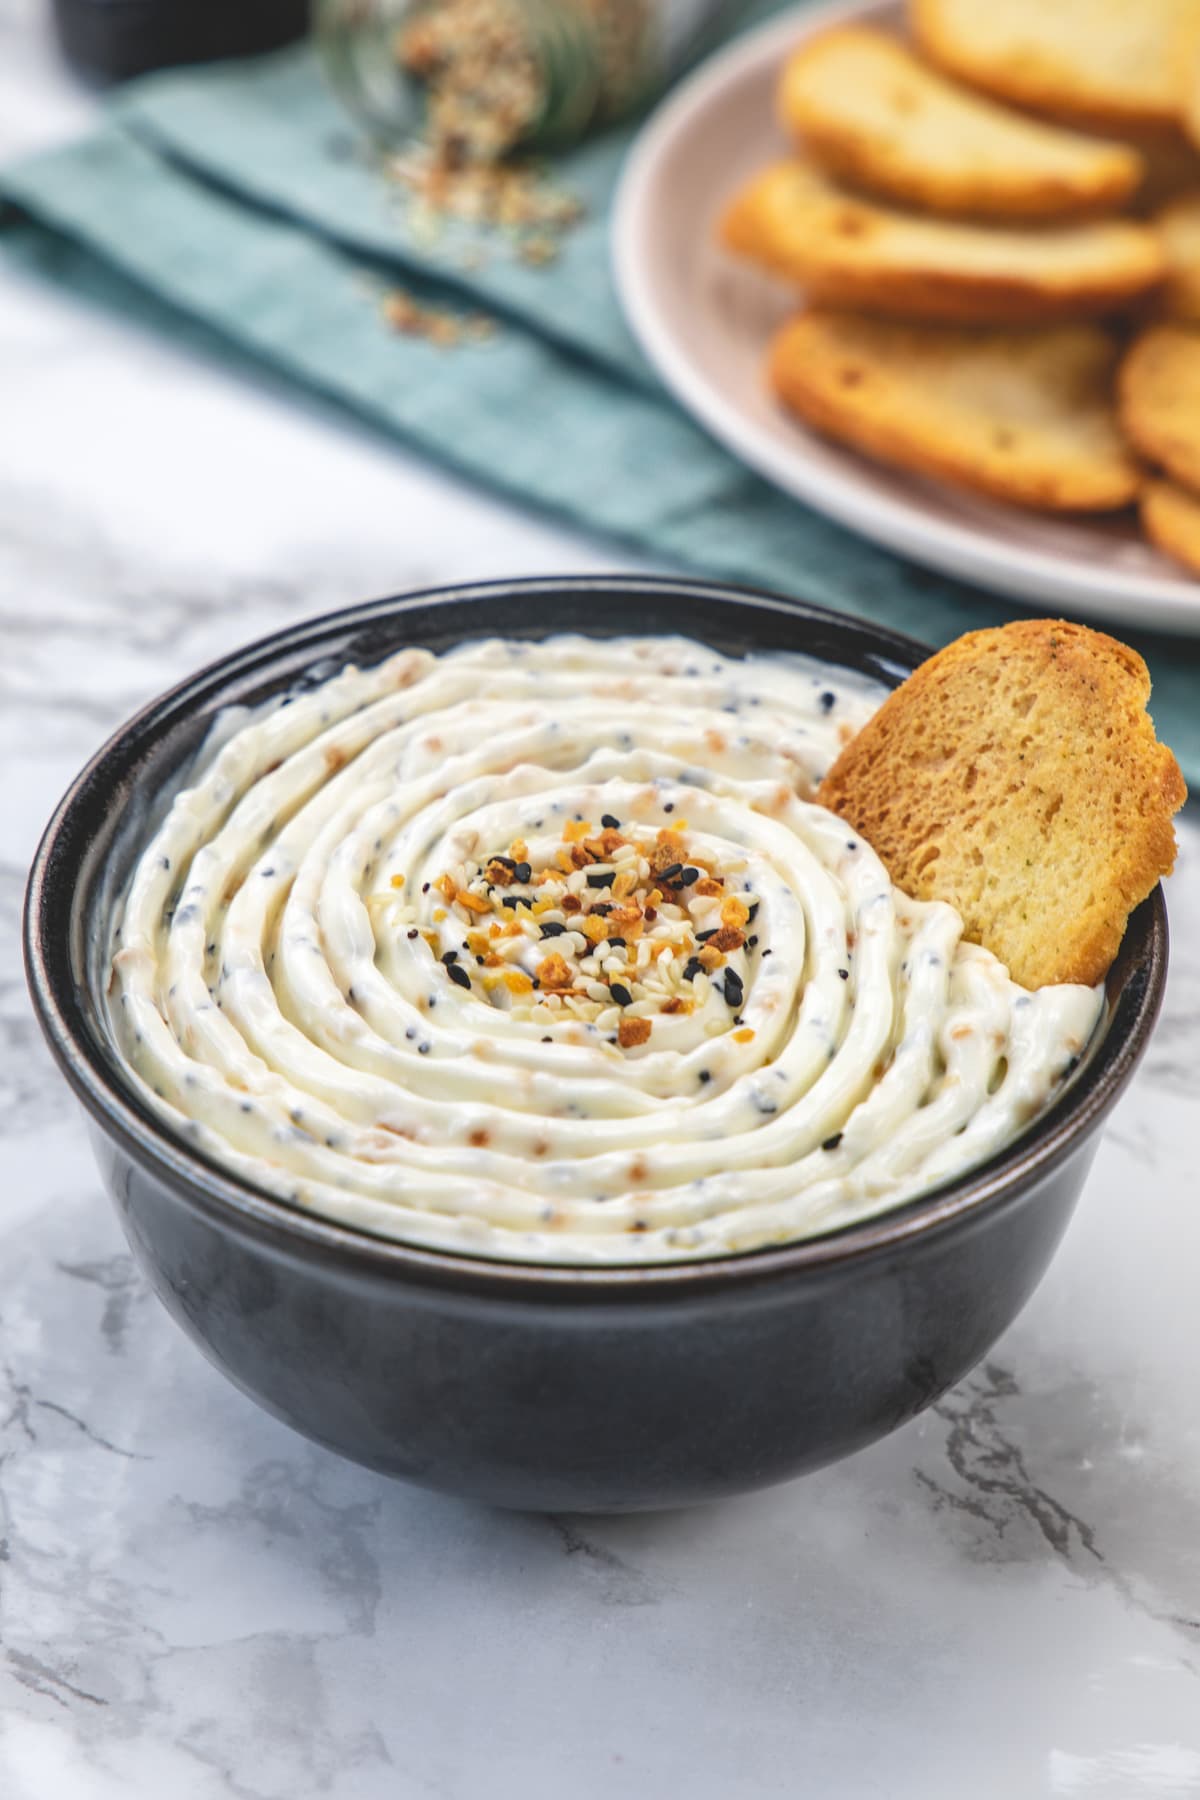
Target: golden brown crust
{"points": [[1016, 775], [1171, 520], [845, 251], [1024, 416], [1158, 396], [870, 112], [1114, 62]]}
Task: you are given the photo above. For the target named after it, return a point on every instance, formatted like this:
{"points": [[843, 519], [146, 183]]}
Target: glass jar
{"points": [[481, 78]]}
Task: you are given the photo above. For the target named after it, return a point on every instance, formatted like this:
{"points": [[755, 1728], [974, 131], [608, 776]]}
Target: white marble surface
{"points": [[1003, 1600]]}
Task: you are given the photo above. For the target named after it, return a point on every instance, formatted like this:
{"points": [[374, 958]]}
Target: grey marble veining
{"points": [[1001, 1600]]}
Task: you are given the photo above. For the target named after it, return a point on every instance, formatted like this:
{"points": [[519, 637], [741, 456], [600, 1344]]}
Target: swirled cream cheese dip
{"points": [[542, 951]]}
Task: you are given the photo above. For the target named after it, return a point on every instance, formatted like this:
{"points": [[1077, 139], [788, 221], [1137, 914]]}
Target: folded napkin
{"points": [[228, 202]]}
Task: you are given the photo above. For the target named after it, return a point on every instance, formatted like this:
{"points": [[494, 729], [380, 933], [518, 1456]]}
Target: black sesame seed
{"points": [[670, 806], [693, 969], [733, 988], [702, 937], [479, 959], [267, 873], [831, 1143], [751, 942], [552, 929], [767, 953], [602, 910], [425, 888], [515, 900], [828, 701], [414, 933], [705, 1076], [458, 976], [506, 862], [449, 956], [609, 823], [845, 974], [753, 913], [852, 843], [424, 1049], [523, 871], [621, 994], [604, 879], [547, 1040], [670, 874], [614, 943], [689, 875]]}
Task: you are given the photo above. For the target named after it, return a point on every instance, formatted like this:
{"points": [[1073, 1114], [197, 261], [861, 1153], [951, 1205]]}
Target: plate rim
{"points": [[958, 549]]}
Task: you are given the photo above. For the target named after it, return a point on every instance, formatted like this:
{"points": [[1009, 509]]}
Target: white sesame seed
{"points": [[597, 991]]}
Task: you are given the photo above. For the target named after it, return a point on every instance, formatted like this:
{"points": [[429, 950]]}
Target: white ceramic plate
{"points": [[704, 321]]}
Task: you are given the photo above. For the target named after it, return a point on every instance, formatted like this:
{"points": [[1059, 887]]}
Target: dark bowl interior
{"points": [[545, 1385]]}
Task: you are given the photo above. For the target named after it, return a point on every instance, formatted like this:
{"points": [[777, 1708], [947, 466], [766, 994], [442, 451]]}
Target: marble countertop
{"points": [[1003, 1599]]}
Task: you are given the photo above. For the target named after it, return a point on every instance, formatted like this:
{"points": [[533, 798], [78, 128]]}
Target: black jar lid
{"points": [[109, 40]]}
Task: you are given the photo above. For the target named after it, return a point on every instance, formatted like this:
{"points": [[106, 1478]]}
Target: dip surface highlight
{"points": [[539, 951]]}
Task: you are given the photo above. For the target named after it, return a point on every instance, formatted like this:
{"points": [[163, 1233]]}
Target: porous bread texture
{"points": [[794, 221], [1116, 62], [1025, 416], [871, 113], [1178, 225], [1171, 520], [1016, 776], [1158, 397]]}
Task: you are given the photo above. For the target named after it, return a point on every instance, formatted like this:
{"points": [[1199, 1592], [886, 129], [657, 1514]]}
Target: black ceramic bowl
{"points": [[535, 1386]]}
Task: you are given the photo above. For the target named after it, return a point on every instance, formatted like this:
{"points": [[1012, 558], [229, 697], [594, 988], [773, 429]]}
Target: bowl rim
{"points": [[237, 1204]]}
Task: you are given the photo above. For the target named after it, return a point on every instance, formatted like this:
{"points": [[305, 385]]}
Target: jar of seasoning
{"points": [[479, 79]]}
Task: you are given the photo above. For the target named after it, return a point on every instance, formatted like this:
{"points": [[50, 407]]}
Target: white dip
{"points": [[780, 1043]]}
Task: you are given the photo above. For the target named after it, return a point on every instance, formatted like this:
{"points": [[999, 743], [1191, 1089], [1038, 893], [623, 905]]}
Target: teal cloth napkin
{"points": [[222, 204]]}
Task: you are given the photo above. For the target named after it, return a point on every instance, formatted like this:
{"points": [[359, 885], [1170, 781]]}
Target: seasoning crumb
{"points": [[631, 1032], [438, 325]]}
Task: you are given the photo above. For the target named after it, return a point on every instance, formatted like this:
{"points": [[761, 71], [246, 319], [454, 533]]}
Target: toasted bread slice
{"points": [[1025, 416], [1017, 776], [1178, 225], [869, 111], [1119, 62], [1158, 393], [795, 222], [1171, 520]]}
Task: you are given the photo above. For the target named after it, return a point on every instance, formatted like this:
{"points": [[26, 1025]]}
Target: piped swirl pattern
{"points": [[331, 975]]}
